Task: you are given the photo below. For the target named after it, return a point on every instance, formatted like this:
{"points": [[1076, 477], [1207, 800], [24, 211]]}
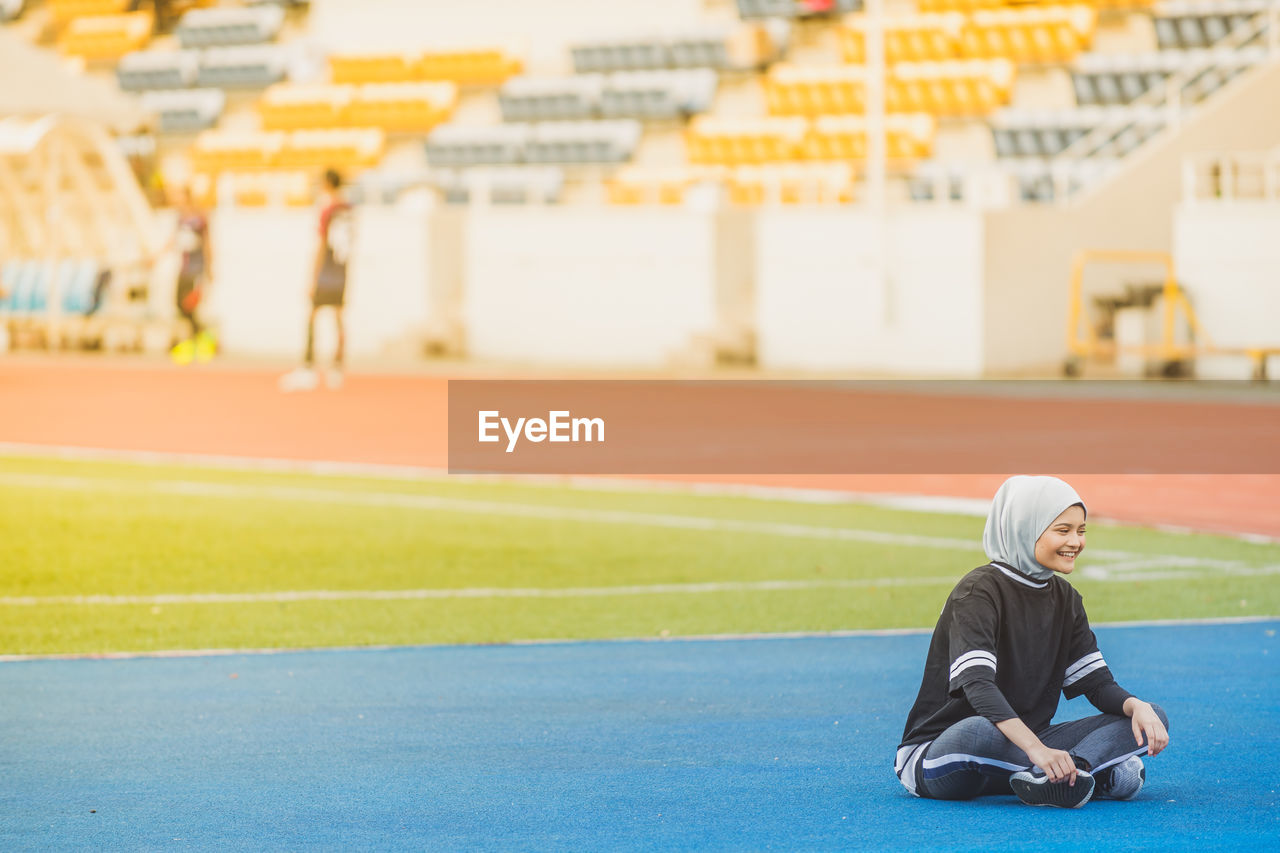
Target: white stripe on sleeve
{"points": [[968, 659], [974, 662], [1081, 673], [1082, 662]]}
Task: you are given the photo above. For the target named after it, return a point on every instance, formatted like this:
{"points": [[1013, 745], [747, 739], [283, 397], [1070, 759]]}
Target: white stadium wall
{"points": [[1228, 260], [611, 287], [822, 305], [263, 263]]}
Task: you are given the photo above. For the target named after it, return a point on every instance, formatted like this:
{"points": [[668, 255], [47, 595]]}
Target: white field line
{"points": [[467, 505], [680, 638], [915, 503], [285, 596], [1126, 570]]}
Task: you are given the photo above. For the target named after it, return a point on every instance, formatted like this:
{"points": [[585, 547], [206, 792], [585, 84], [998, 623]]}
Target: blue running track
{"points": [[782, 744]]}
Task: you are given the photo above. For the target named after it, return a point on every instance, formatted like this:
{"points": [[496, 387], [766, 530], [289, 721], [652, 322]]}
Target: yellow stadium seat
{"points": [[220, 150], [373, 67], [65, 11], [106, 37], [956, 87], [908, 137], [950, 88], [344, 149], [734, 142], [290, 106], [791, 184], [792, 90], [908, 38], [636, 186], [404, 107], [1033, 34], [474, 67]]}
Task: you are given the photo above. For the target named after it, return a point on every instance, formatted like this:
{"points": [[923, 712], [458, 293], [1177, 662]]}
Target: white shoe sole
{"points": [[1039, 791]]}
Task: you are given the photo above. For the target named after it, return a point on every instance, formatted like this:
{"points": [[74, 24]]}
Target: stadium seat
{"points": [[467, 67], [232, 151], [402, 107], [76, 280], [751, 186], [31, 284], [1045, 134], [794, 8], [229, 26], [1112, 79], [501, 185], [187, 110], [704, 48], [290, 106], [959, 87], [1036, 34], [792, 90], [965, 87], [461, 145], [547, 142], [373, 67], [637, 54], [635, 186], [64, 12], [707, 49], [1182, 24], [908, 137], [745, 141], [241, 67], [658, 94], [156, 69], [583, 142], [907, 38], [106, 37], [339, 148], [12, 275], [538, 98]]}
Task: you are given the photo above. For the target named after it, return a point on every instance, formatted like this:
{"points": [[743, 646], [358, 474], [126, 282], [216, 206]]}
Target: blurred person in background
{"points": [[329, 283], [192, 240]]}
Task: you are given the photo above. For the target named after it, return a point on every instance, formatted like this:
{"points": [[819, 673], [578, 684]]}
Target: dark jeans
{"points": [[973, 758]]}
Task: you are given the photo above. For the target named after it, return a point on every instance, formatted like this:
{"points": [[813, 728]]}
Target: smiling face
{"points": [[1060, 545]]}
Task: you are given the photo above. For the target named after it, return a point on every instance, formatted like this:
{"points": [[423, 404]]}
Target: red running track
{"points": [[401, 420]]}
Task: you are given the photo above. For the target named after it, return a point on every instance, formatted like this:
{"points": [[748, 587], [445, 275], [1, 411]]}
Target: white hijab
{"points": [[1022, 509]]}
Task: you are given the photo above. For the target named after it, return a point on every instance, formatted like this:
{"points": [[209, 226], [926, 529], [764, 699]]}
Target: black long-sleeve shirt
{"points": [[1005, 646]]}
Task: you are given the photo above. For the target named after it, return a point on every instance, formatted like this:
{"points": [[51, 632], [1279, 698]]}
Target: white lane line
{"points": [[467, 505], [469, 592], [1130, 561], [680, 638], [977, 507]]}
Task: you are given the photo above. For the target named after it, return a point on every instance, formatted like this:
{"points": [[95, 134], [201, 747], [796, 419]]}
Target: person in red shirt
{"points": [[329, 284]]}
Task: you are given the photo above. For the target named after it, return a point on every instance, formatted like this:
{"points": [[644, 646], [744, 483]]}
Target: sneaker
{"points": [[1035, 789], [333, 378], [184, 352], [1124, 780], [302, 379], [206, 347]]}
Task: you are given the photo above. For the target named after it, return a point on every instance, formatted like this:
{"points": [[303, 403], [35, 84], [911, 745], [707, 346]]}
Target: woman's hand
{"points": [[1057, 764], [1145, 722]]}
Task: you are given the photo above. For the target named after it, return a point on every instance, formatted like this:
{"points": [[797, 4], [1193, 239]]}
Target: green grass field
{"points": [[115, 557]]}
